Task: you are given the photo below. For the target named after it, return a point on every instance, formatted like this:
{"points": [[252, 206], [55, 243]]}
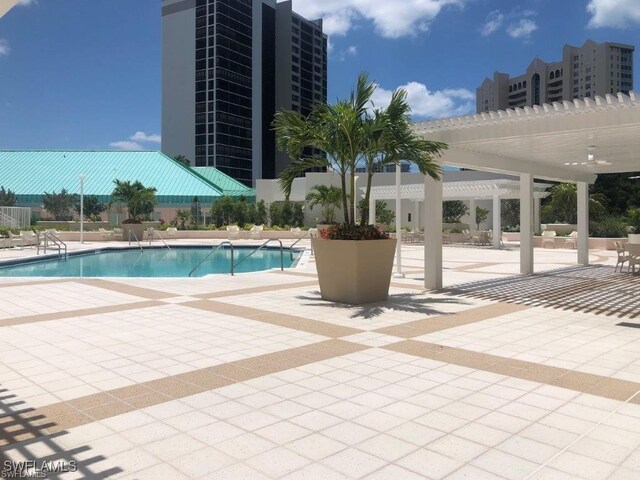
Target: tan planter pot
{"points": [[137, 228], [634, 238], [352, 271]]}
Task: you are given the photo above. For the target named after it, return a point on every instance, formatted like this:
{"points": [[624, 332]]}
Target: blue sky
{"points": [[79, 74]]}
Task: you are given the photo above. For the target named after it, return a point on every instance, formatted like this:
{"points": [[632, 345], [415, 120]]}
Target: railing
{"points": [[213, 250], [307, 234], [15, 217], [49, 236], [137, 241], [260, 248], [152, 232]]}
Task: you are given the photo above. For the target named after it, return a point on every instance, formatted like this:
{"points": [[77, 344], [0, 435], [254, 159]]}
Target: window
{"points": [[557, 73], [551, 75], [519, 85]]}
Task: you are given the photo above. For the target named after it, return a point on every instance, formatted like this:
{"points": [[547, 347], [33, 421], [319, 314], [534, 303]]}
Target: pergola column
{"points": [[583, 223], [398, 273], [497, 222], [372, 210], [526, 224], [536, 214], [416, 213], [432, 233], [472, 214]]}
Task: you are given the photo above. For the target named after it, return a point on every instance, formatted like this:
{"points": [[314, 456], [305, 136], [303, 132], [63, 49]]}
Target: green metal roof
{"points": [[30, 173], [229, 185]]}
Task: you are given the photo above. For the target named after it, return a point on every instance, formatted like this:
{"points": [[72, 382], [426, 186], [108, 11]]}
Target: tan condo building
{"points": [[595, 69]]}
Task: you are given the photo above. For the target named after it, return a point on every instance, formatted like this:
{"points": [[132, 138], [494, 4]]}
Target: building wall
{"points": [[178, 78], [586, 71]]}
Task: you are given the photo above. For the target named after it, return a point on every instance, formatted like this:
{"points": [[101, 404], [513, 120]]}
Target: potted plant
{"points": [[140, 202], [634, 227], [354, 260], [329, 198]]}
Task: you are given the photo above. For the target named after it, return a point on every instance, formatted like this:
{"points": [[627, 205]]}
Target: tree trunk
{"points": [[367, 196], [345, 203], [353, 195]]}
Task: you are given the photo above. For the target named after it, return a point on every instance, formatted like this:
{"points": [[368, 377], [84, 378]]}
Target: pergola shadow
{"points": [[22, 429], [400, 302], [593, 289]]}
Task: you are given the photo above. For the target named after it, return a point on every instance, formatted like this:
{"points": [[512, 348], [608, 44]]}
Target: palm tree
{"points": [[350, 135], [329, 198], [140, 200]]}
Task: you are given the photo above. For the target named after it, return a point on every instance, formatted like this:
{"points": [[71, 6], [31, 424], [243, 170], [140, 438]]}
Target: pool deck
{"points": [[254, 376]]}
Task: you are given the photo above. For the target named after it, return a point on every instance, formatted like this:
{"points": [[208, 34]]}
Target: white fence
{"points": [[15, 217]]}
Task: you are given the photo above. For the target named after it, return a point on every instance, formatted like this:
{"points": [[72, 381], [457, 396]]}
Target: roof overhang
{"points": [[6, 5], [549, 141], [477, 189]]}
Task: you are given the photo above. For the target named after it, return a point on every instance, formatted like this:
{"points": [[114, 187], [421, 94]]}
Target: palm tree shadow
{"points": [[399, 302]]}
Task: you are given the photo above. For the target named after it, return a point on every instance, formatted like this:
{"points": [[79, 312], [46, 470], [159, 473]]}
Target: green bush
{"points": [[611, 227]]}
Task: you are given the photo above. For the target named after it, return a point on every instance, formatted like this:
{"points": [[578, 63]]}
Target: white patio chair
{"points": [[572, 239], [446, 236], [106, 234], [623, 256], [172, 232], [256, 232], [233, 232], [29, 238], [313, 233], [548, 238], [16, 240], [296, 231]]}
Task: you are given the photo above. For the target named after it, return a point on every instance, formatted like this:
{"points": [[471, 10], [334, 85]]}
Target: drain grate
{"points": [[627, 324]]}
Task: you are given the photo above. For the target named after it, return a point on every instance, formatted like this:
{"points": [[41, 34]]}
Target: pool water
{"points": [[153, 262]]}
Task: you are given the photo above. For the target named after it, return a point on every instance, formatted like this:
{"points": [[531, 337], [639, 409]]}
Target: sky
{"points": [[86, 74]]}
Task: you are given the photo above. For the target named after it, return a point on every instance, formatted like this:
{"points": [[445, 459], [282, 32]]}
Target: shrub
{"points": [[453, 211], [349, 231], [611, 227]]}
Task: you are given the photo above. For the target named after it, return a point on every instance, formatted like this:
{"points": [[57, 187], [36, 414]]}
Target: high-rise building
{"points": [[228, 66], [595, 69]]}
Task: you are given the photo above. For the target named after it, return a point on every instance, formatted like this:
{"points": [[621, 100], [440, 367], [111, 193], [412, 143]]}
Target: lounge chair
{"points": [[16, 240], [256, 232], [623, 256], [106, 234], [233, 232], [572, 239], [548, 238], [172, 232], [29, 238]]}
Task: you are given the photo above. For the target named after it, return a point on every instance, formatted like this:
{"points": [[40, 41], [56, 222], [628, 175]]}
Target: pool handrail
{"points": [[213, 250], [152, 233], [47, 235], [307, 233], [260, 248], [137, 241]]}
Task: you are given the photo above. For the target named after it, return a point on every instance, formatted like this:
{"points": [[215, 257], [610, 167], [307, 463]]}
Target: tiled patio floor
{"points": [[254, 376]]}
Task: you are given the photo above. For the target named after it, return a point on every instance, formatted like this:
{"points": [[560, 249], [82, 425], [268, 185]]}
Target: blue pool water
{"points": [[153, 262]]}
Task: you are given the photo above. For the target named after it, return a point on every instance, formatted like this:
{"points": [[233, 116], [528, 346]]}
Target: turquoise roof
{"points": [[229, 185], [30, 173]]}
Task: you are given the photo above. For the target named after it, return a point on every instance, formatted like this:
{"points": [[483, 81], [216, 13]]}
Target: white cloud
{"points": [[5, 49], [352, 50], [613, 13], [427, 104], [126, 145], [492, 24], [523, 29], [143, 137], [27, 2], [391, 18]]}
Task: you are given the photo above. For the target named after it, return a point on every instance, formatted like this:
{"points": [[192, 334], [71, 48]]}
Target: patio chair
{"points": [[466, 236], [233, 232], [572, 239], [623, 257], [118, 234], [417, 236], [313, 233], [256, 232], [171, 232], [296, 231], [16, 240], [106, 234], [634, 260], [446, 236], [29, 238], [548, 238]]}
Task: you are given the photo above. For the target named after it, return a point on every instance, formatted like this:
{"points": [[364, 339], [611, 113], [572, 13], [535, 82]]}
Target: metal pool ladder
{"points": [[152, 233], [59, 244], [137, 241], [260, 248], [213, 250]]}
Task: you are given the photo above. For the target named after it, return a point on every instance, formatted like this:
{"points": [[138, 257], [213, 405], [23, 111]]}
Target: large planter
{"points": [[322, 227], [634, 238], [354, 271], [137, 229]]}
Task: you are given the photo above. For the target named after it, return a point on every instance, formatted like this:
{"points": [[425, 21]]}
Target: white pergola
{"points": [[496, 190], [569, 142]]}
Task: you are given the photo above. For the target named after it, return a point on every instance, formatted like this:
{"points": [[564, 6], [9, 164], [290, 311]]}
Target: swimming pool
{"points": [[153, 262]]}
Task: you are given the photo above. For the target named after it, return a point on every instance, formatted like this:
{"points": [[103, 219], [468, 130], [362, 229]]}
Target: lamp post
{"points": [[398, 273], [82, 176]]}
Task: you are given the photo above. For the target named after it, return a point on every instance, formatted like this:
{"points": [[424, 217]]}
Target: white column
{"points": [[372, 210], [82, 208], [432, 233], [398, 273], [526, 224], [583, 223], [472, 214], [497, 222], [536, 214], [416, 213]]}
